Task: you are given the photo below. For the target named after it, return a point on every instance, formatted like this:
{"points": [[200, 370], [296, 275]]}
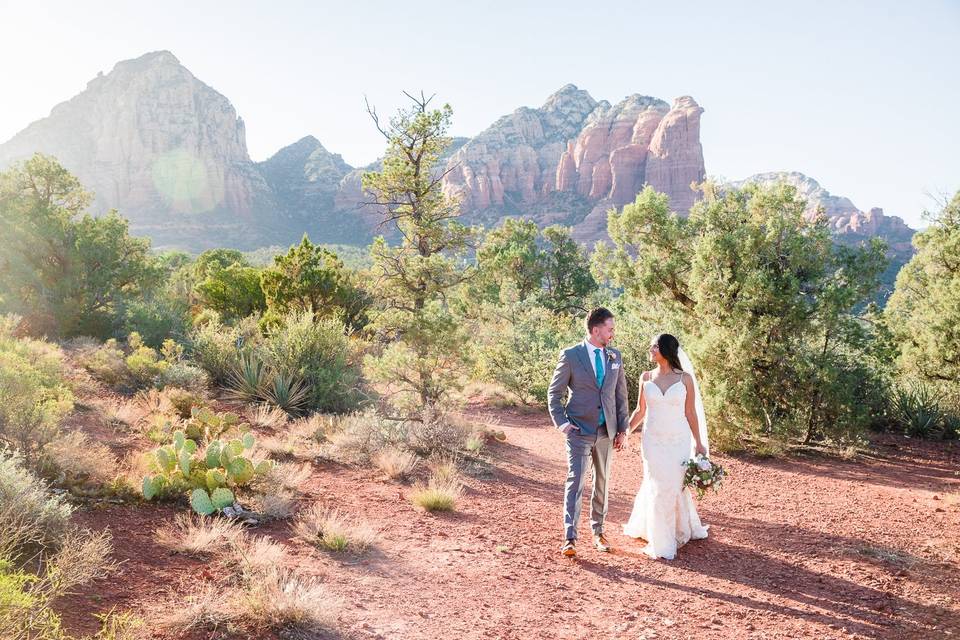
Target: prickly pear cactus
{"points": [[201, 503], [211, 474]]}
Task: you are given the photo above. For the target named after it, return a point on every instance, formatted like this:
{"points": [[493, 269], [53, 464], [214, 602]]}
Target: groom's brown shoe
{"points": [[569, 548], [600, 541]]}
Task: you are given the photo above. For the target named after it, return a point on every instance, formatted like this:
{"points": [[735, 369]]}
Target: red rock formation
{"points": [[676, 156]]}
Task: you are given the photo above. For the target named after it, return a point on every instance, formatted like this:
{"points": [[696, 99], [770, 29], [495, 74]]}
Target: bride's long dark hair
{"points": [[669, 348]]}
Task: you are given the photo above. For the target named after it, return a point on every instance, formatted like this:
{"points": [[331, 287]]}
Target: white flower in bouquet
{"points": [[704, 465]]}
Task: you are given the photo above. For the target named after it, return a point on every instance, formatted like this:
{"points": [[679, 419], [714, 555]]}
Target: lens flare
{"points": [[184, 182]]}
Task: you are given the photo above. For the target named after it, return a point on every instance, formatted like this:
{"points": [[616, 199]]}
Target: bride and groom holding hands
{"points": [[587, 399]]}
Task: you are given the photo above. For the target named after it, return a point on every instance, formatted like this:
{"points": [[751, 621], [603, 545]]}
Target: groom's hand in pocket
{"points": [[567, 427]]}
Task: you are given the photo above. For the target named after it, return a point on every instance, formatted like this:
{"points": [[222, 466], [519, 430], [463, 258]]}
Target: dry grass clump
{"points": [[282, 599], [276, 494], [195, 534], [329, 529], [122, 413], [267, 416], [442, 490], [81, 459], [259, 593], [258, 553], [397, 464], [299, 439], [152, 401]]}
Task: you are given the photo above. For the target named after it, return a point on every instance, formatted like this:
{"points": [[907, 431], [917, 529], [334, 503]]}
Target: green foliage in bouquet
{"points": [[703, 474]]}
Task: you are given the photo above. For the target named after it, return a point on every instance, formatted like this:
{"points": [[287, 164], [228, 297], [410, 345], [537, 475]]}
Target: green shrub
{"points": [[518, 349], [216, 347], [916, 409], [184, 401], [318, 352], [108, 364], [30, 515], [183, 375], [34, 396]]}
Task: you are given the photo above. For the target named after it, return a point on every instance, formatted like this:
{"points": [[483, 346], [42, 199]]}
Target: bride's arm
{"points": [[637, 416], [690, 409]]}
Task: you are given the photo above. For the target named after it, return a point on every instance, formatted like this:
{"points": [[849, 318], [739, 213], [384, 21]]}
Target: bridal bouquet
{"points": [[702, 475]]}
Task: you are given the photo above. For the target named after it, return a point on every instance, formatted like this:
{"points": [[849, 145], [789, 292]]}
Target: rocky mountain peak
{"points": [[152, 140]]}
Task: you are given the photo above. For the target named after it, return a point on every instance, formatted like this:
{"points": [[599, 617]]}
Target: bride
{"points": [[674, 429]]}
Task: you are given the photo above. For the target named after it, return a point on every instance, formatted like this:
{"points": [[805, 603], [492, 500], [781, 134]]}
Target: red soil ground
{"points": [[809, 547]]}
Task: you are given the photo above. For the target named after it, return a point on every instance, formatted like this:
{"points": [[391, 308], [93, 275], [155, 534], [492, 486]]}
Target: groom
{"points": [[594, 421]]}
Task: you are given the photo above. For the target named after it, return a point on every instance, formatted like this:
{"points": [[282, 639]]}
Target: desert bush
{"points": [[276, 493], [107, 363], [122, 413], [184, 401], [283, 600], [518, 348], [144, 364], [183, 375], [438, 432], [78, 459], [215, 348], [34, 396], [298, 439], [26, 499], [316, 351], [153, 402], [329, 529], [125, 625], [26, 598], [258, 593], [33, 524], [357, 437]]}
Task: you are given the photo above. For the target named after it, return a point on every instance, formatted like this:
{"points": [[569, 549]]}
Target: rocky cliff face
{"points": [[170, 153], [573, 158], [150, 139], [844, 218], [850, 225]]}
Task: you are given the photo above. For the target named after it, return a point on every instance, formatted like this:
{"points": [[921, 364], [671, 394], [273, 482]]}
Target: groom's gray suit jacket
{"points": [[575, 373]]}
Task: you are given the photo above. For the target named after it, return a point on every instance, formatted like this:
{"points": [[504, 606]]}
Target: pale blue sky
{"points": [[862, 96]]}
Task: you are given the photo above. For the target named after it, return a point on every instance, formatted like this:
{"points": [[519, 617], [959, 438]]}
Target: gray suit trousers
{"points": [[584, 450]]}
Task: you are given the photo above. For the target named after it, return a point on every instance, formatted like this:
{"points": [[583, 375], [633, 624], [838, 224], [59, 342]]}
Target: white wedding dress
{"points": [[663, 512]]}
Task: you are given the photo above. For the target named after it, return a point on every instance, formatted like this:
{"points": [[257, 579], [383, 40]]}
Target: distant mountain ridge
{"points": [[169, 152]]}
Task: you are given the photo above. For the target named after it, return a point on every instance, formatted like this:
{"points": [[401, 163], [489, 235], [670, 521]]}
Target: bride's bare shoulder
{"points": [[645, 376]]}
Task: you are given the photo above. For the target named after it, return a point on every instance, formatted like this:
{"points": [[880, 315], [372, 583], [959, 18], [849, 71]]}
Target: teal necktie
{"points": [[599, 365]]}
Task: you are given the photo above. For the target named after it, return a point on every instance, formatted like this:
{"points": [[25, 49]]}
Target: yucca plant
{"points": [[249, 379], [916, 409], [288, 393]]}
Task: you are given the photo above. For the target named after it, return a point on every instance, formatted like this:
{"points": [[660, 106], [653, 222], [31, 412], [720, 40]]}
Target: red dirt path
{"points": [[798, 548]]}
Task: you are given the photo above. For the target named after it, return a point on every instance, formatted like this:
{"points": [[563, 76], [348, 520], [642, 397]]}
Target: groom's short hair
{"points": [[597, 317]]}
